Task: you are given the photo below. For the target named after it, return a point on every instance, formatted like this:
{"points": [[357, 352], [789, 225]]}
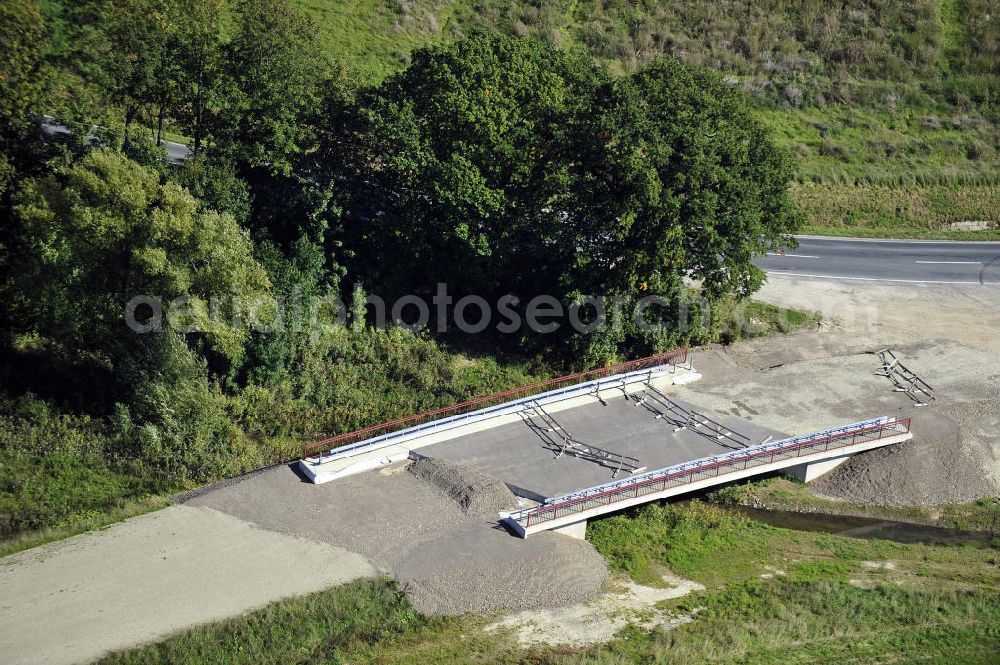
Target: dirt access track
{"points": [[74, 600], [269, 535]]}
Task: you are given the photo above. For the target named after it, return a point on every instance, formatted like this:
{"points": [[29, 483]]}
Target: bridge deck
{"points": [[519, 455], [575, 447], [827, 447]]}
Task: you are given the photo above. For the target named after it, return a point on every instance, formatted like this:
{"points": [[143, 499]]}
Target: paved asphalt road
{"points": [[913, 261], [176, 152]]}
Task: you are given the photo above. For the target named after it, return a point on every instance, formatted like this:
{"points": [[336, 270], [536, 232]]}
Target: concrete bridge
{"points": [[577, 447], [807, 457], [468, 422]]}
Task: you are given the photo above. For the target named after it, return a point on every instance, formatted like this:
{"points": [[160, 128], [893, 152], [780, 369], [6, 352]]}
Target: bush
{"points": [[55, 467]]}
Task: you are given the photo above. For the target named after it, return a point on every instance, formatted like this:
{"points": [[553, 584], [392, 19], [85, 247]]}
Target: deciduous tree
{"points": [[105, 230]]}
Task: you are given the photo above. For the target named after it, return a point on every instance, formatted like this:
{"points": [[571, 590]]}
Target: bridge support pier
{"points": [[807, 473], [576, 530]]}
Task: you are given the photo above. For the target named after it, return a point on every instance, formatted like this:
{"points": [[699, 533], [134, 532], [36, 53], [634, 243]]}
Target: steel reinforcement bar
{"points": [[675, 357], [697, 470]]}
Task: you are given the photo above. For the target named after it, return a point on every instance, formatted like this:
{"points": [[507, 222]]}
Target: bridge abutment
{"points": [[807, 473], [576, 530]]}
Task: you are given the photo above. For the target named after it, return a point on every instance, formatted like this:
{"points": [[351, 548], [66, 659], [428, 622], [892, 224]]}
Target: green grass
{"points": [[718, 547], [749, 319], [374, 37], [362, 622], [57, 478], [82, 522], [46, 495], [820, 621], [823, 49], [917, 145], [781, 493], [905, 174], [910, 210], [821, 603], [900, 233]]}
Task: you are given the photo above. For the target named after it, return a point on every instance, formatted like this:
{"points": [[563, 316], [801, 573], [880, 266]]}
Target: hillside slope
{"points": [[892, 107]]}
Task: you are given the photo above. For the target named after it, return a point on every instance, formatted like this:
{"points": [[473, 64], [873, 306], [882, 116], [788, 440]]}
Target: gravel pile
{"points": [[475, 492], [802, 383], [477, 570], [448, 560], [939, 465]]}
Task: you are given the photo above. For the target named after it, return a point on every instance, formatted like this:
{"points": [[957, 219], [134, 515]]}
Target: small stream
{"points": [[867, 527]]}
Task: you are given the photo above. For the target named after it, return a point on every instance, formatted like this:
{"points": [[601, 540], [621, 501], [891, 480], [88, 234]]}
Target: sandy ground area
{"points": [[75, 600], [948, 335], [598, 620], [449, 561], [865, 314]]}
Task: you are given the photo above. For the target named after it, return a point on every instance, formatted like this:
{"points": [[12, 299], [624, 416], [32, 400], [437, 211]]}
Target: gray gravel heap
{"points": [[937, 466], [476, 569], [475, 492]]}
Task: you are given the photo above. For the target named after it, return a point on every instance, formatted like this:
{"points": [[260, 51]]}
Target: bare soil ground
{"points": [[448, 560], [598, 620], [949, 336], [74, 600]]}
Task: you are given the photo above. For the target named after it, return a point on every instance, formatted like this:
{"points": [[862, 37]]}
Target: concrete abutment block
{"points": [[807, 473], [576, 530]]}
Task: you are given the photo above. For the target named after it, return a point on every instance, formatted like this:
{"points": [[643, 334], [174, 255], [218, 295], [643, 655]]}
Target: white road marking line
{"points": [[794, 256], [965, 263], [902, 240], [869, 279]]}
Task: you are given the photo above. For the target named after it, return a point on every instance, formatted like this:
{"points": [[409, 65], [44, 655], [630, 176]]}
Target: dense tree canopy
{"points": [[106, 230], [459, 165], [269, 83], [500, 165], [22, 80], [678, 179]]}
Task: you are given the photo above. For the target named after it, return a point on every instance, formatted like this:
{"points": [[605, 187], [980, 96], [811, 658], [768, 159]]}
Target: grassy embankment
{"points": [[890, 109], [782, 493], [874, 174], [772, 596]]}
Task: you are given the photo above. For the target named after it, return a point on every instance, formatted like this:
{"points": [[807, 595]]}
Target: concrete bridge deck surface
{"points": [[518, 455]]}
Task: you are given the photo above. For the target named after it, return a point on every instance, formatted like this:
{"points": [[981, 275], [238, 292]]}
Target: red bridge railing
{"points": [[675, 357], [713, 467]]}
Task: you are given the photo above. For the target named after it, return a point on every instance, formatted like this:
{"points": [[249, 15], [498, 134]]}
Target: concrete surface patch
{"points": [[75, 600], [531, 463]]}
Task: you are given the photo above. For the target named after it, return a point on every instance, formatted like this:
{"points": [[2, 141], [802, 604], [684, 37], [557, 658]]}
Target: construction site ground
{"points": [[448, 559]]}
